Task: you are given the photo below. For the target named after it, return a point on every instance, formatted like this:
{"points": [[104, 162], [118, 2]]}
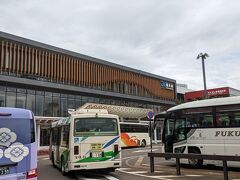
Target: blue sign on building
{"points": [[166, 85]]}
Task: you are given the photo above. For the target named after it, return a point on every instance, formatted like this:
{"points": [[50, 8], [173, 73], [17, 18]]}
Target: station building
{"points": [[49, 80]]}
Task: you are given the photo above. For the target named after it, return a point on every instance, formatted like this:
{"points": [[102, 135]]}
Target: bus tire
{"points": [[63, 168], [143, 143], [53, 163], [195, 163], [109, 170]]}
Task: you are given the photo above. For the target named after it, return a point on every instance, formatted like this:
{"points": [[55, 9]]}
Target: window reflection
{"points": [[56, 106], [21, 100], [2, 98], [78, 103], [48, 106], [63, 107], [71, 102], [31, 102], [11, 99], [39, 106]]}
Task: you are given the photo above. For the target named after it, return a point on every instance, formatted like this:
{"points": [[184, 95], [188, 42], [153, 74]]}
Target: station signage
{"points": [[166, 85], [218, 91]]}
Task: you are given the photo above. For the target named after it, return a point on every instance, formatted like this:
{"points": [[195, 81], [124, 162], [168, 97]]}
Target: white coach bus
{"points": [[209, 126], [88, 139], [134, 134]]}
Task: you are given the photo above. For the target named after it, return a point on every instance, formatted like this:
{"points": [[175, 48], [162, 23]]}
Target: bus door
{"points": [[179, 139], [168, 135], [58, 144]]}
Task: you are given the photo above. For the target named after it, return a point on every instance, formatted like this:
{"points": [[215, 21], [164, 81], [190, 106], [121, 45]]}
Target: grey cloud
{"points": [[162, 37]]}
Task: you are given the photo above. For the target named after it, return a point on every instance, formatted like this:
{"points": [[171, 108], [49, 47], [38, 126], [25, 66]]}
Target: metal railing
{"points": [[178, 156]]}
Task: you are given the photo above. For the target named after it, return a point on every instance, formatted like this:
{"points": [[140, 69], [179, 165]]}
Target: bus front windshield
{"points": [[95, 127]]}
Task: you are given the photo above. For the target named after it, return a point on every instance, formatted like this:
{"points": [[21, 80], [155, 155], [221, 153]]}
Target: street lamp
{"points": [[203, 57]]}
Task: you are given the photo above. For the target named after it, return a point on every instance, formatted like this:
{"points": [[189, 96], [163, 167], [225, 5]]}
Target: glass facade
{"points": [[51, 104]]}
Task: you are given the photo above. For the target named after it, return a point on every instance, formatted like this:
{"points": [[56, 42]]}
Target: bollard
{"points": [[225, 170], [178, 166], [151, 164]]}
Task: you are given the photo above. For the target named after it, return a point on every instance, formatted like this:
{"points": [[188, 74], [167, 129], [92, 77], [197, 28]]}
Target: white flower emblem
{"points": [[16, 152], [7, 137], [1, 153]]}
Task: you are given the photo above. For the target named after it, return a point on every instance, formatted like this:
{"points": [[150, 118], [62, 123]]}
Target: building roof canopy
{"points": [[121, 111]]}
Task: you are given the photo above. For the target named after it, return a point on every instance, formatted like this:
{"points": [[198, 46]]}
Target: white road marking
{"points": [[84, 178], [138, 172], [165, 176], [132, 157], [193, 175], [139, 161], [144, 150], [125, 169], [81, 177], [110, 177], [142, 175]]}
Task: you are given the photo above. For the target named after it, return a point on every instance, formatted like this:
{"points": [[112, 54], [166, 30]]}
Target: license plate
{"points": [[4, 170], [96, 154], [96, 147]]}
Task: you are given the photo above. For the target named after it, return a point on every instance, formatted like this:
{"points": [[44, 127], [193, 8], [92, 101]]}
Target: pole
{"points": [[225, 170], [150, 133], [204, 79]]}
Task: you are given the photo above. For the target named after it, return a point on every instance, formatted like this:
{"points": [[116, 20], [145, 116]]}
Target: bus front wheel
{"points": [[196, 163], [63, 167], [53, 163], [143, 143]]}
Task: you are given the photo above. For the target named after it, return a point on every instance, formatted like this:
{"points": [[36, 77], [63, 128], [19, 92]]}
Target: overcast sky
{"points": [[157, 36]]}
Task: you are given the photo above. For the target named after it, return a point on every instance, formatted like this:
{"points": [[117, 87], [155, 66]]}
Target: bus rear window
{"points": [[95, 127], [23, 128]]}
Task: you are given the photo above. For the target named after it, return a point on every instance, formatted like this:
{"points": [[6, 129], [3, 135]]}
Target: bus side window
{"points": [[180, 131], [192, 121], [58, 138], [65, 136], [207, 120], [53, 136], [234, 119], [224, 119], [32, 131]]}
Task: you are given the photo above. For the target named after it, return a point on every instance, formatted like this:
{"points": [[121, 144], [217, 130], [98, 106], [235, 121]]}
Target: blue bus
{"points": [[18, 145]]}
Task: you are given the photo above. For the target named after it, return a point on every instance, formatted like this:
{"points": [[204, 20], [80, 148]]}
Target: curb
{"points": [[43, 152]]}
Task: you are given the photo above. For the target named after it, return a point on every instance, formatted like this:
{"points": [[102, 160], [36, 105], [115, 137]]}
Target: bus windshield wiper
{"points": [[4, 146]]}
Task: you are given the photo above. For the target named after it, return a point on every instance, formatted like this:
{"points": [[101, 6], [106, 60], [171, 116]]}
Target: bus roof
{"points": [[207, 103], [89, 111], [16, 113], [135, 123]]}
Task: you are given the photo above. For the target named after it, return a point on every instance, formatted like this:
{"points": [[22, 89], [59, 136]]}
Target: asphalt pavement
{"points": [[136, 167]]}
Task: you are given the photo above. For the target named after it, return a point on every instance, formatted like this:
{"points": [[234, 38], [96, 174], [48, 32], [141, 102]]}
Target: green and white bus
{"points": [[87, 139]]}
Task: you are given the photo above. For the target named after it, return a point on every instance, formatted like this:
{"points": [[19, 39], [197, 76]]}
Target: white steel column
{"points": [[38, 135], [155, 135]]}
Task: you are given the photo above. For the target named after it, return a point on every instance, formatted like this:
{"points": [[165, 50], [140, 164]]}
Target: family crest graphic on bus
{"points": [[7, 137], [14, 151]]}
